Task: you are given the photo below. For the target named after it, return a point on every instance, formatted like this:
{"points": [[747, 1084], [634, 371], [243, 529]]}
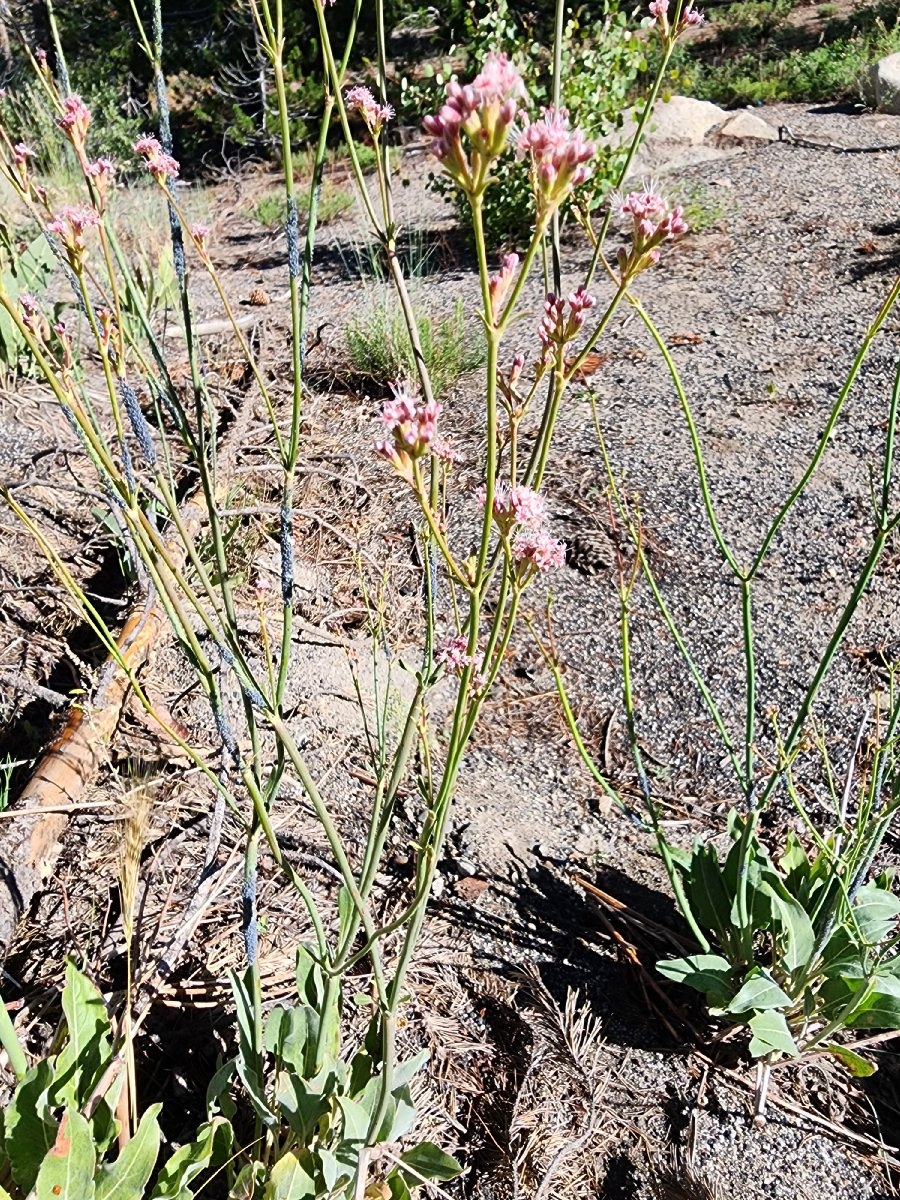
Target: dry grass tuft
{"points": [[133, 838], [559, 1111], [675, 1179]]}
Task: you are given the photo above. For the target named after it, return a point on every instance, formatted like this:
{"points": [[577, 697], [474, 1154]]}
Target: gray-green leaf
{"points": [[67, 1172], [759, 992], [289, 1180], [127, 1177], [429, 1161], [771, 1033], [707, 973]]}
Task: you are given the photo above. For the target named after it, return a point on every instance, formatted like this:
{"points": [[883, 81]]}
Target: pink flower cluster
{"points": [[535, 552], [518, 505], [70, 224], [507, 380], [161, 166], [558, 155], [102, 171], [21, 155], [452, 653], [659, 11], [557, 328], [482, 112], [74, 122], [499, 284], [30, 309], [652, 224], [200, 232], [411, 425], [374, 114]]}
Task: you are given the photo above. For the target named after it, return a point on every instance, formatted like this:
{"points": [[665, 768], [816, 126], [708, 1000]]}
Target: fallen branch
{"points": [[30, 845]]}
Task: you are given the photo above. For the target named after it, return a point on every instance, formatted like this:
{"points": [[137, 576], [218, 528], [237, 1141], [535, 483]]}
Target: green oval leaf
{"points": [[771, 1034], [67, 1172], [429, 1161], [707, 973], [859, 1067], [759, 992], [126, 1178], [289, 1180]]}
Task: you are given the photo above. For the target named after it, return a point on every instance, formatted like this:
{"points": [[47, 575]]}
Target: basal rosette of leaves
{"points": [[602, 57], [58, 1133], [814, 952]]}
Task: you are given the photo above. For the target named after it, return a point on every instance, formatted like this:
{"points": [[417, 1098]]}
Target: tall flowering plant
{"points": [[330, 1112]]}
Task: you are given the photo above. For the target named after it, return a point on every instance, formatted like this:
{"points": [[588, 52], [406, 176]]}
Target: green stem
{"points": [[694, 435], [837, 637], [750, 663], [867, 341], [649, 105], [9, 1040]]}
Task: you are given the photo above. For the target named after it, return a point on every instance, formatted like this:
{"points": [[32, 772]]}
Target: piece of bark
{"points": [[30, 842]]}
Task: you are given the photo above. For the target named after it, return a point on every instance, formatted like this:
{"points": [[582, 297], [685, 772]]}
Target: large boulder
{"points": [[684, 131], [683, 119], [881, 87]]}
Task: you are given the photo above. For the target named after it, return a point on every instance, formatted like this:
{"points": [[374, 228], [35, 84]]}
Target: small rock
{"points": [[746, 127], [465, 866], [470, 889]]}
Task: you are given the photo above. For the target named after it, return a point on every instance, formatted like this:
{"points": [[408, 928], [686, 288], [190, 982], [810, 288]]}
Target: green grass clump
{"points": [[379, 345], [704, 207], [333, 201]]}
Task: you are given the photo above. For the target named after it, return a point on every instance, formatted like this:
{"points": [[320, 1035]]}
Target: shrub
{"points": [[601, 58]]}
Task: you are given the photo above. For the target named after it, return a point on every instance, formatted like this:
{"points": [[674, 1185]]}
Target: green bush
{"points": [[601, 57], [754, 59]]}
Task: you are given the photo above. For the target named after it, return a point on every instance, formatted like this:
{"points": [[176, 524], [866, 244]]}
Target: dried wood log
{"points": [[30, 841]]}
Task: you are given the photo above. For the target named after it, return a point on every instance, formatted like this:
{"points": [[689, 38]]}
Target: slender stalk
{"points": [[650, 803], [837, 638], [665, 612], [694, 436], [559, 20], [860, 357], [643, 121]]}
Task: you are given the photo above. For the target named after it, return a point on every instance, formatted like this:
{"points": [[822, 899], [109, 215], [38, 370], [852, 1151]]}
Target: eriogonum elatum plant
{"points": [[472, 127], [652, 222]]}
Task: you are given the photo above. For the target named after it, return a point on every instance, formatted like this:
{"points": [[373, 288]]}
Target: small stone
{"points": [[470, 888], [745, 127]]}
